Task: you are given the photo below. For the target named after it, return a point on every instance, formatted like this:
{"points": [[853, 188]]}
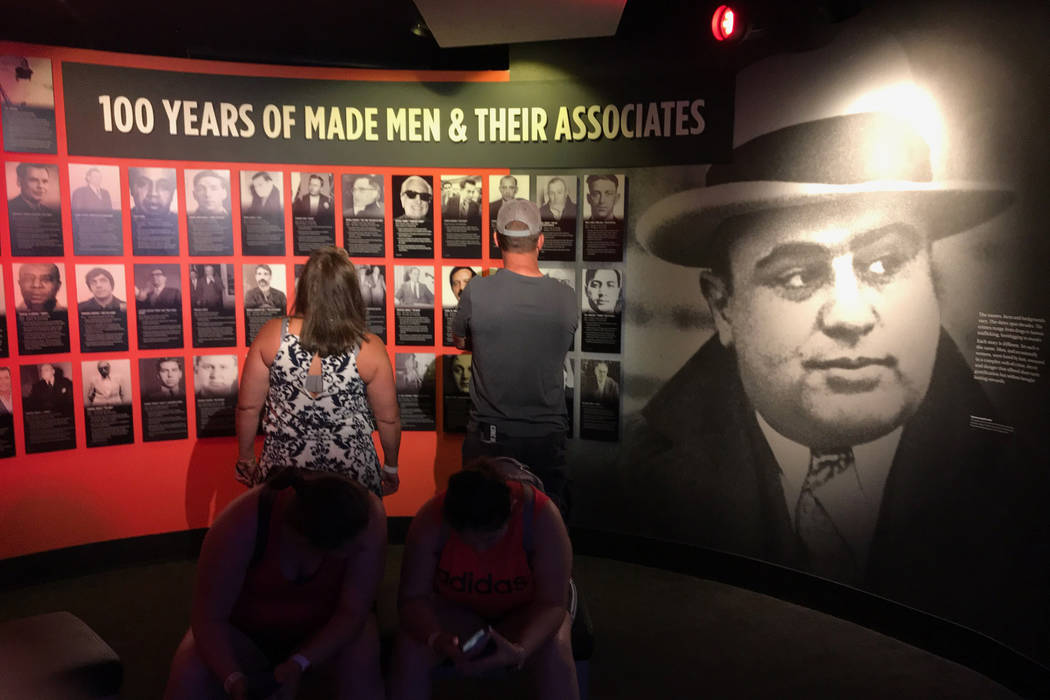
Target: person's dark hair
{"points": [[477, 499], [208, 173], [315, 176], [592, 271], [22, 169], [328, 510], [263, 174], [96, 272], [518, 244], [263, 266], [328, 298], [453, 271], [591, 179]]}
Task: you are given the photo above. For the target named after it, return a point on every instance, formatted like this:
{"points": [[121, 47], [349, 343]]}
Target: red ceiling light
{"points": [[725, 24]]}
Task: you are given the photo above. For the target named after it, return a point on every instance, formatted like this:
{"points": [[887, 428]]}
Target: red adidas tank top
{"points": [[498, 580]]}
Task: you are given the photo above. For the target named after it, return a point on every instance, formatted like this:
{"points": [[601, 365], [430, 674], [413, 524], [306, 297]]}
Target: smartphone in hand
{"points": [[476, 640]]}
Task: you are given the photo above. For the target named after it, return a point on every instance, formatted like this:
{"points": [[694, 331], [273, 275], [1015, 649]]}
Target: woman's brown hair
{"points": [[328, 298]]}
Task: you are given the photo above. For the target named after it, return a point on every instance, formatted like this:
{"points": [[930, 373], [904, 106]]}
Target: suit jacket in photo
{"points": [[85, 199], [54, 397], [567, 212], [301, 207], [207, 295], [18, 205], [405, 296], [961, 522], [255, 299], [453, 211], [167, 298]]}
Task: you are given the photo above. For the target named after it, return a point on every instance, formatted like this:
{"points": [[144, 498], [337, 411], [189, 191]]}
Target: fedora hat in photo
{"points": [[842, 160]]}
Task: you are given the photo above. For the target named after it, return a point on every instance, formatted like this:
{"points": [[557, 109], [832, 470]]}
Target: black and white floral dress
{"points": [[328, 431]]}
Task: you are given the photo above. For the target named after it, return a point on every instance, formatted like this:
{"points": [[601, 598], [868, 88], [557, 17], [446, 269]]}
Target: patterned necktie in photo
{"points": [[829, 553]]}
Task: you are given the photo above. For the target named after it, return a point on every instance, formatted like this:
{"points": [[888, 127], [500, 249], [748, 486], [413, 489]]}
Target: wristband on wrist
{"points": [[389, 470], [302, 661], [227, 684]]}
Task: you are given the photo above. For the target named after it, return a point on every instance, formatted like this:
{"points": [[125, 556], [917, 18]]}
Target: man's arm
{"points": [[461, 324]]}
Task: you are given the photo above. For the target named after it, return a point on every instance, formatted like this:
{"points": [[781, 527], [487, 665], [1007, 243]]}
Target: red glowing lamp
{"points": [[724, 23]]}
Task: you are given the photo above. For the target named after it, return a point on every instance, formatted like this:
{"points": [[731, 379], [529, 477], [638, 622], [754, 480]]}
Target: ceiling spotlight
{"points": [[419, 29]]}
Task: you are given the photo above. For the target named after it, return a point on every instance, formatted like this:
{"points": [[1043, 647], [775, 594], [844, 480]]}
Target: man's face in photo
{"points": [[47, 373], [468, 191], [34, 184], [603, 197], [215, 374], [365, 192], [410, 364], [415, 198], [603, 290], [314, 186], [39, 284], [158, 278], [101, 288], [459, 281], [209, 272], [152, 189], [834, 318], [262, 278], [413, 274], [5, 381], [508, 188], [169, 374], [556, 193], [210, 193], [601, 372], [103, 369], [94, 178], [461, 373]]}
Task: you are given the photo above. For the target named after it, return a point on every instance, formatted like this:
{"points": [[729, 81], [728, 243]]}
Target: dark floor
{"points": [[659, 635]]}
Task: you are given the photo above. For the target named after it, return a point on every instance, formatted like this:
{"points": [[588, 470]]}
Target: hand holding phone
{"points": [[476, 641]]}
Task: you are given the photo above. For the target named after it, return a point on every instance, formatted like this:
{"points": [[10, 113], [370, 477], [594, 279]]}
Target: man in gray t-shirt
{"points": [[519, 325]]}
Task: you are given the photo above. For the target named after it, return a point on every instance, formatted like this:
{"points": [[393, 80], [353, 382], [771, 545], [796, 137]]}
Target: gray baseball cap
{"points": [[522, 211]]}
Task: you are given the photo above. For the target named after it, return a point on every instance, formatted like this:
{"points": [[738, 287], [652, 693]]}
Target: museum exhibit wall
{"points": [[233, 167]]}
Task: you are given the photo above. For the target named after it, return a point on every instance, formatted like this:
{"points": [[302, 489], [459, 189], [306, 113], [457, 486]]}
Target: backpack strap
{"points": [[267, 497], [528, 499]]}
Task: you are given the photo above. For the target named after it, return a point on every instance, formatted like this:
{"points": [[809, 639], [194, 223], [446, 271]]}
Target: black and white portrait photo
{"points": [[95, 206], [262, 212], [557, 198], [264, 296], [313, 211], [102, 309], [604, 204], [416, 384], [27, 104], [33, 209], [208, 212], [215, 394], [212, 302], [455, 279], [162, 383], [413, 217], [158, 305], [107, 401], [461, 216], [364, 207], [47, 407], [41, 308], [154, 211]]}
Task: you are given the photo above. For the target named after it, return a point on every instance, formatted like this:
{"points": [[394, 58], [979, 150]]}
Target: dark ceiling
{"points": [[357, 33]]}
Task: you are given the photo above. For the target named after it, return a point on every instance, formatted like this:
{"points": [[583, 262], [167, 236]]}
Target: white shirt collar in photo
{"points": [[853, 508]]}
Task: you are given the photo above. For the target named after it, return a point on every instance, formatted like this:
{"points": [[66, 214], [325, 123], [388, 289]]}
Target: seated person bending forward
{"points": [[485, 553]]}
